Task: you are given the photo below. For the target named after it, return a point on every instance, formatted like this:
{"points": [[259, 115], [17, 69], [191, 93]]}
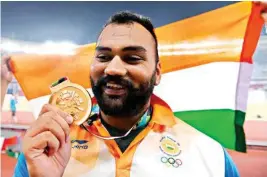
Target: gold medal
{"points": [[71, 98]]}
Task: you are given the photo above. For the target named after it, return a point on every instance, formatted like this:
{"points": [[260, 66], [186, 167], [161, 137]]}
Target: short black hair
{"points": [[127, 17]]}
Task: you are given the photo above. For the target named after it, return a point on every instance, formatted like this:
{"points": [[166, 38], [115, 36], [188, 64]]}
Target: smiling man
{"points": [[123, 74], [124, 71]]}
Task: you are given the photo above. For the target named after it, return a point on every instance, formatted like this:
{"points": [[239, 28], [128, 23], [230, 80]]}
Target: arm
{"points": [[6, 77], [4, 85]]}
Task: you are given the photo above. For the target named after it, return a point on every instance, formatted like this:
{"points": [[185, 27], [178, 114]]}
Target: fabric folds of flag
{"points": [[206, 64]]}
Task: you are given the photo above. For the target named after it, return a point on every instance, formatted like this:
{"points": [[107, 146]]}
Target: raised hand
{"points": [[46, 145]]}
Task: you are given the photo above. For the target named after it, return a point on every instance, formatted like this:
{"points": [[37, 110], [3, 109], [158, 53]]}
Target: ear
{"points": [[158, 73]]}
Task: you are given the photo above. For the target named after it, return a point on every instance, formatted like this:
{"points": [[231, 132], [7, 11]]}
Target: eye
{"points": [[132, 59], [103, 57]]}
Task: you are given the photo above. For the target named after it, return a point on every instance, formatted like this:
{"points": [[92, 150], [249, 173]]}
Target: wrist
{"points": [[4, 80], [4, 85]]}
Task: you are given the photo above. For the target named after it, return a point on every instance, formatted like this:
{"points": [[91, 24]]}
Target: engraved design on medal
{"points": [[70, 101]]}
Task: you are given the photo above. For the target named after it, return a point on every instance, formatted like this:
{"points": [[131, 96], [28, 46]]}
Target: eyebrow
{"points": [[125, 49], [101, 48], [134, 48]]}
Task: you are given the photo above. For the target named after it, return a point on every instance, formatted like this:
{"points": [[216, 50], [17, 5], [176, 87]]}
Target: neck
{"points": [[124, 123]]}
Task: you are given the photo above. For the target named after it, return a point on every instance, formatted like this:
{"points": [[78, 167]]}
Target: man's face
{"points": [[124, 70]]}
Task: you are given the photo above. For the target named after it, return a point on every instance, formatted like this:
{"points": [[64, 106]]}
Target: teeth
{"points": [[116, 86]]}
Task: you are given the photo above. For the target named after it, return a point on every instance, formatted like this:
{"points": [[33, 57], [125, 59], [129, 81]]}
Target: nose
{"points": [[116, 67]]}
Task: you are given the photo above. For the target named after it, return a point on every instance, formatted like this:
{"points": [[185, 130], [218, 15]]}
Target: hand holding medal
{"points": [[71, 98]]}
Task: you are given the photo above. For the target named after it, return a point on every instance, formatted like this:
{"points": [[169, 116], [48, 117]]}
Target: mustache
{"points": [[116, 79]]}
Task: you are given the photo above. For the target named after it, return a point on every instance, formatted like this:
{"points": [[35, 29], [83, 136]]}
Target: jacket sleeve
{"points": [[230, 167], [21, 167]]}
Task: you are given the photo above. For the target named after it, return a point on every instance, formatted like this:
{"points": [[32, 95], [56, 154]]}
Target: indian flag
{"points": [[206, 64]]}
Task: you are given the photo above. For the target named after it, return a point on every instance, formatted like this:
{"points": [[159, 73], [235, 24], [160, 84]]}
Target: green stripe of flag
{"points": [[223, 125]]}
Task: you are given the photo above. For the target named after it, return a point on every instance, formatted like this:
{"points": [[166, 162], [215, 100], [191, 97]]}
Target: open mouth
{"points": [[114, 89], [114, 86]]}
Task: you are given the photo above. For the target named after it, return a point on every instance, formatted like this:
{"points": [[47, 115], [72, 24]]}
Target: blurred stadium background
{"points": [[251, 164]]}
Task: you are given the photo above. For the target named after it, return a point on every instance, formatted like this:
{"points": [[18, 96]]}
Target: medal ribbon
{"points": [[144, 120]]}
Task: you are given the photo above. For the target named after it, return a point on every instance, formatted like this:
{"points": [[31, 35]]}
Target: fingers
{"points": [[54, 120], [66, 116], [5, 62], [64, 125], [48, 133], [50, 121], [5, 58], [45, 141]]}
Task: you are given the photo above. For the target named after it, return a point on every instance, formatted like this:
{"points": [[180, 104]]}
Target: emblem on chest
{"points": [[170, 149]]}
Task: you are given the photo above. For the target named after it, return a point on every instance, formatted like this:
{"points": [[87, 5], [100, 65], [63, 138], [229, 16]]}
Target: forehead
{"points": [[121, 35]]}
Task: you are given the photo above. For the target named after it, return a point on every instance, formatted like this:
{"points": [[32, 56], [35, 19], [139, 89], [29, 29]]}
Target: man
{"points": [[123, 74], [13, 107]]}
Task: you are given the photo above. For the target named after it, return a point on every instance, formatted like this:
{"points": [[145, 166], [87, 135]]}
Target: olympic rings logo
{"points": [[171, 161]]}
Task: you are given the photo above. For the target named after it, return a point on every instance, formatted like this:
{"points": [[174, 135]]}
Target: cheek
{"points": [[140, 75], [97, 70]]}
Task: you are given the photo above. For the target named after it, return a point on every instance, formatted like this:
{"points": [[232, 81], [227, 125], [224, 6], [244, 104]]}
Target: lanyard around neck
{"points": [[95, 114]]}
